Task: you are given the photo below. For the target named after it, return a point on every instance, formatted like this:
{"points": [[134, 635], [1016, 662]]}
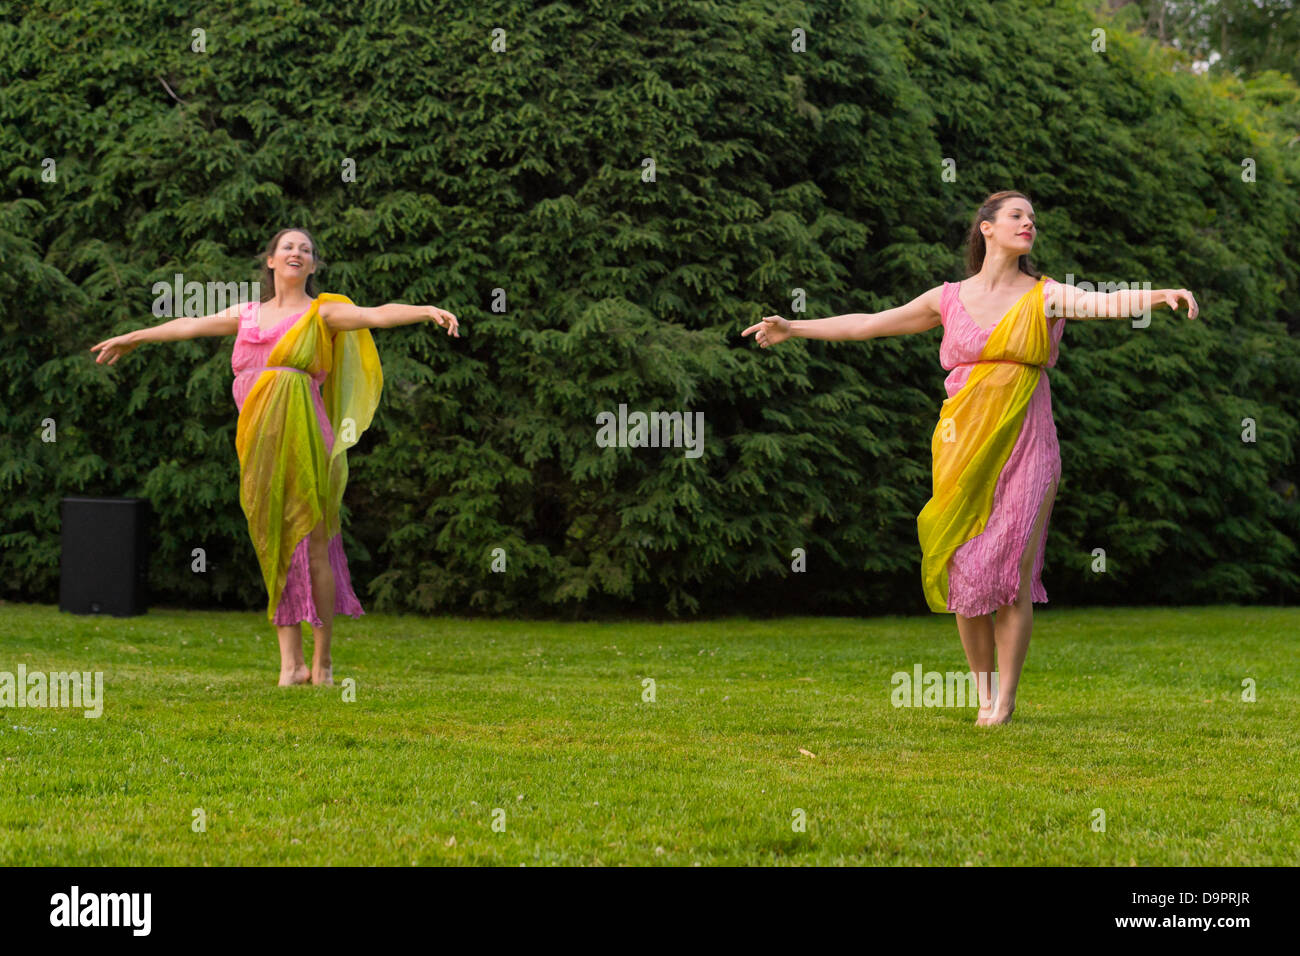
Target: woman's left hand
{"points": [[444, 319], [1170, 298]]}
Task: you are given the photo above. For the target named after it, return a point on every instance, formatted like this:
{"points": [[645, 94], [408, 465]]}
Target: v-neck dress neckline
{"points": [[989, 330], [296, 315]]}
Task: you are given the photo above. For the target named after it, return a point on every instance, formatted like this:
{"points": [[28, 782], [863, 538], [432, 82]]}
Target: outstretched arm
{"points": [[919, 315], [225, 322], [1074, 303], [346, 316]]}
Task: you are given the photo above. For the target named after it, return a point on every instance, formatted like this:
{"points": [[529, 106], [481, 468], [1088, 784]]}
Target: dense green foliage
{"points": [[522, 170]]}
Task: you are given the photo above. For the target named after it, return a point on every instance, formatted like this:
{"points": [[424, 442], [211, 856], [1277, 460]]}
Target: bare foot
{"points": [[322, 675], [299, 675], [1001, 715], [986, 713]]}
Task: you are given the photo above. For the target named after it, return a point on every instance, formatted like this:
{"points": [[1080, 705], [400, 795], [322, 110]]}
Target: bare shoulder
{"points": [[920, 315], [231, 317], [932, 300], [1060, 301]]}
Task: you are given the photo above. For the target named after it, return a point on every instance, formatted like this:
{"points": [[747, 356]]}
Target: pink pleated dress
{"points": [[297, 603], [984, 573]]}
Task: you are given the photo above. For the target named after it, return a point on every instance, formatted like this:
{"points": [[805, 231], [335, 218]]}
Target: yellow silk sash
{"points": [[288, 482], [978, 428]]}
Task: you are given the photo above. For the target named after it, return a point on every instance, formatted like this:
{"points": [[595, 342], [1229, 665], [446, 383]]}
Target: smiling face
{"points": [[294, 259], [1014, 227]]}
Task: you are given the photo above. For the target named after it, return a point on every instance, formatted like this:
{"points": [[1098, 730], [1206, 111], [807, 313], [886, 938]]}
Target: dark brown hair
{"points": [[988, 211], [268, 274]]}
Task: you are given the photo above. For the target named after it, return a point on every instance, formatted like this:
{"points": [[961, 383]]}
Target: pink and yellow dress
{"points": [[995, 456], [305, 395]]}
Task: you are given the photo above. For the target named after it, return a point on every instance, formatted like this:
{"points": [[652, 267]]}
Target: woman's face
{"points": [[1013, 228], [293, 259]]}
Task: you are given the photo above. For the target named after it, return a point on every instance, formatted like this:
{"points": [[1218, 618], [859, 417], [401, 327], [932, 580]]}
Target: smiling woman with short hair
{"points": [[307, 382]]}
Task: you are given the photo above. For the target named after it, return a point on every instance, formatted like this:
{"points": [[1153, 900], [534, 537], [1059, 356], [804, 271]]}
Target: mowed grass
{"points": [[1134, 712]]}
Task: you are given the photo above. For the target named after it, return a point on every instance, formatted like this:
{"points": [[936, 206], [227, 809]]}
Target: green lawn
{"points": [[1137, 712]]}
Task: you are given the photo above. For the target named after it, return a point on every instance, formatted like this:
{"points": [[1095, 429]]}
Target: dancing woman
{"points": [[307, 382], [996, 457]]}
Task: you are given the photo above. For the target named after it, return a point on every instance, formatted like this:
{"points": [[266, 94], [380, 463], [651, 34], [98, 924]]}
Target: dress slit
{"points": [[1040, 550]]}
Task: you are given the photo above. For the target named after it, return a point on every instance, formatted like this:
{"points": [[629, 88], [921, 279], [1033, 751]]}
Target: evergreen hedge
{"points": [[518, 175]]}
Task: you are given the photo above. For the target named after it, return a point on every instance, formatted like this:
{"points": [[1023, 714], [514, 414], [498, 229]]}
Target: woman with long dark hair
{"points": [[307, 382], [996, 458]]}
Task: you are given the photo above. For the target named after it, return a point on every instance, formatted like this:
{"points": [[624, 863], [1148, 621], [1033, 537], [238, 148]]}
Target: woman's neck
{"points": [[289, 296], [1000, 270]]}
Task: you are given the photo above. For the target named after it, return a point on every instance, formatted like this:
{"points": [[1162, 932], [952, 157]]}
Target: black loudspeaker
{"points": [[104, 563]]}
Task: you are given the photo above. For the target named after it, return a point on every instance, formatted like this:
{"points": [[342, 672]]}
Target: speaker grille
{"points": [[104, 560]]}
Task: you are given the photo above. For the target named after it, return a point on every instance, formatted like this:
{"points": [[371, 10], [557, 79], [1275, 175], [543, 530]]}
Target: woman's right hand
{"points": [[773, 330], [114, 348], [444, 319]]}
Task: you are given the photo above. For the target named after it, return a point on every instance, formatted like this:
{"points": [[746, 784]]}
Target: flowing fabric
{"points": [[979, 428], [289, 480]]}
